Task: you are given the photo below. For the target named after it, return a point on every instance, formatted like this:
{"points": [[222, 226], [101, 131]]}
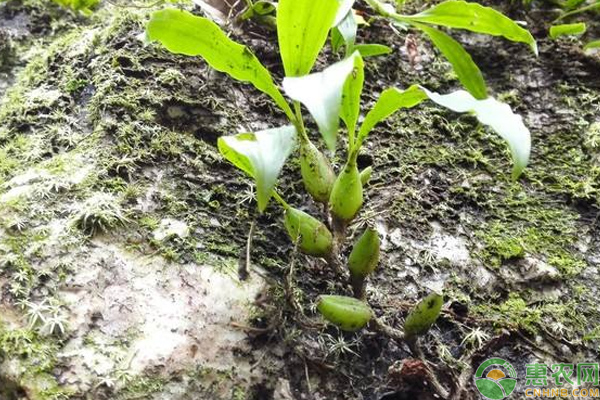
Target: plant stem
{"points": [[437, 386], [399, 336], [299, 122], [379, 7], [358, 286], [280, 200], [353, 156], [245, 262], [578, 11], [387, 330], [351, 139], [333, 260]]}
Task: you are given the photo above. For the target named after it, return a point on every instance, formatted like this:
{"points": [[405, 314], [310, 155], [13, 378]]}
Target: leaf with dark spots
{"points": [[183, 33]]}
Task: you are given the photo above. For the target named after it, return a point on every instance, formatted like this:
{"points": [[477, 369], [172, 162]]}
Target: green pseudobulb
{"points": [[317, 173], [365, 255], [312, 235], [348, 313], [423, 315], [347, 193]]}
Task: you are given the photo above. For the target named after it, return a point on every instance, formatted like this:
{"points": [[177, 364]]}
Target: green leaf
{"points": [[567, 29], [371, 50], [390, 101], [467, 71], [496, 115], [348, 313], [365, 175], [351, 95], [570, 4], [423, 315], [261, 155], [347, 28], [476, 18], [337, 40], [85, 7], [343, 10], [580, 10], [321, 93], [489, 112], [302, 28], [264, 7], [259, 9], [594, 44], [183, 33]]}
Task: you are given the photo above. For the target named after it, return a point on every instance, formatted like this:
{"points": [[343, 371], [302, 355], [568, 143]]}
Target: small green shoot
{"points": [[578, 28]]}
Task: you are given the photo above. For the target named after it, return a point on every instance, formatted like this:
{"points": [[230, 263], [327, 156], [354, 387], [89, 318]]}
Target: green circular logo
{"points": [[496, 379]]}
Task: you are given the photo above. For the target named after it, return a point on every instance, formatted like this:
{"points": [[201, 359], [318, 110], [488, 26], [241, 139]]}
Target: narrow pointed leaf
{"points": [[238, 158], [496, 115], [365, 175], [570, 4], [337, 40], [390, 101], [476, 18], [351, 95], [467, 71], [347, 29], [579, 10], [567, 29], [261, 155], [348, 313], [490, 112], [343, 10], [372, 50], [183, 33], [594, 44], [302, 29], [423, 315], [321, 94]]}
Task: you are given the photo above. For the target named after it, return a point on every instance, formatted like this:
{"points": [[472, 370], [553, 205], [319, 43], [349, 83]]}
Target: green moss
{"points": [[36, 358], [500, 245], [521, 221], [239, 394], [513, 313], [149, 222], [552, 240], [592, 335], [15, 153], [560, 317], [141, 387], [101, 212]]}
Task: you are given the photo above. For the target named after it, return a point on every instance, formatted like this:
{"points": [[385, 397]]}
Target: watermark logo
{"points": [[496, 379], [579, 377]]}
